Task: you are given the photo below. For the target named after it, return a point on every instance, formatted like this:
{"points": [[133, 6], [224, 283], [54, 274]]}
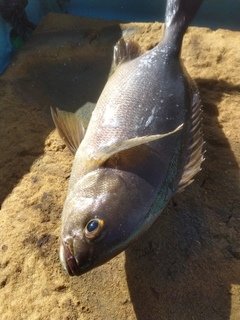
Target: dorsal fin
{"points": [[125, 50], [195, 144], [69, 127]]}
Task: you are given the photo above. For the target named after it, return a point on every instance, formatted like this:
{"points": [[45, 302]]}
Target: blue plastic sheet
{"points": [[213, 14]]}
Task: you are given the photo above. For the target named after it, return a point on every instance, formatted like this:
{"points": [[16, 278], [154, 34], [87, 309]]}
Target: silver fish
{"points": [[142, 145]]}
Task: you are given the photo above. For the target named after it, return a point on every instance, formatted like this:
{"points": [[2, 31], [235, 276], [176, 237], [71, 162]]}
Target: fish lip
{"points": [[70, 264]]}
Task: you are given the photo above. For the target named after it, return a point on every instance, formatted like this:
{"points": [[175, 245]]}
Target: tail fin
{"points": [[179, 14]]}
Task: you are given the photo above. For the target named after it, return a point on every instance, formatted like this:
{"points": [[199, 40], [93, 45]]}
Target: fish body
{"points": [[142, 145]]}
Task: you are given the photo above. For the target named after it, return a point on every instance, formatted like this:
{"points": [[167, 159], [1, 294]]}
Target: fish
{"points": [[143, 144]]}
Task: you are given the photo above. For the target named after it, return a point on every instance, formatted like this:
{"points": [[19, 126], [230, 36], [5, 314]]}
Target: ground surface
{"points": [[187, 266]]}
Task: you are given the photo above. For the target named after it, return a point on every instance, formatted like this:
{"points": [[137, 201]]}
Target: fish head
{"points": [[103, 212]]}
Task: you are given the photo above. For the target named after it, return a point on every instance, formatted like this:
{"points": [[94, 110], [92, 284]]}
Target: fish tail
{"points": [[179, 14]]}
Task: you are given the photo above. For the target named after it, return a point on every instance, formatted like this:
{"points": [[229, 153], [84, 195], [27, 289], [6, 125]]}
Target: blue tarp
{"points": [[213, 14]]}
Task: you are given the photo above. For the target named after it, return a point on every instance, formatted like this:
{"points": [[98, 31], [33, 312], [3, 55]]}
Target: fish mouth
{"points": [[68, 261]]}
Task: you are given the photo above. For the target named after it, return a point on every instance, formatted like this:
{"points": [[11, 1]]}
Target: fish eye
{"points": [[93, 229]]}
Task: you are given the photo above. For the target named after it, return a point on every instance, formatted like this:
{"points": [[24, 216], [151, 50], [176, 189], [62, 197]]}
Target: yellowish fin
{"points": [[69, 127]]}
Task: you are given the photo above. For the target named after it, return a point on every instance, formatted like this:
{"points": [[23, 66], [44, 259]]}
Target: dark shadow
{"points": [[65, 64], [184, 266]]}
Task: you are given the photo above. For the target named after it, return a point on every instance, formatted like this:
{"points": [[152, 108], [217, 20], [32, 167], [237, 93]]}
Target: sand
{"points": [[187, 266]]}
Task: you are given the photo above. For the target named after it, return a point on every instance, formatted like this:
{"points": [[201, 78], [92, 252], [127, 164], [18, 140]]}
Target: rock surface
{"points": [[187, 266]]}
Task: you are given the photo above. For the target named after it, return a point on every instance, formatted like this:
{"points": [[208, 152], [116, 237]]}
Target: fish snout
{"points": [[75, 265], [68, 260]]}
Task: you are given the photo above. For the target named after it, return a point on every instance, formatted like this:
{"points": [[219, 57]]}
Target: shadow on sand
{"points": [[185, 265], [64, 69]]}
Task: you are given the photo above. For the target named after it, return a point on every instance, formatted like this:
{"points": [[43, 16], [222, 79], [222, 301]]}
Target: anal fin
{"points": [[69, 127]]}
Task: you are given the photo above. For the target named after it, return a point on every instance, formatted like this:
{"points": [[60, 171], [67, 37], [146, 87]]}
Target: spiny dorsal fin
{"points": [[94, 159], [69, 127], [125, 50], [195, 145]]}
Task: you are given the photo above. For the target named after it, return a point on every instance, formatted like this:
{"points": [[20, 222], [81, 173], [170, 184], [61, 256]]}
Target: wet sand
{"points": [[187, 265]]}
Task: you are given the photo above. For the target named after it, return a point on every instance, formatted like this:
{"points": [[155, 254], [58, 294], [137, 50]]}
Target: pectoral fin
{"points": [[94, 160], [69, 127]]}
